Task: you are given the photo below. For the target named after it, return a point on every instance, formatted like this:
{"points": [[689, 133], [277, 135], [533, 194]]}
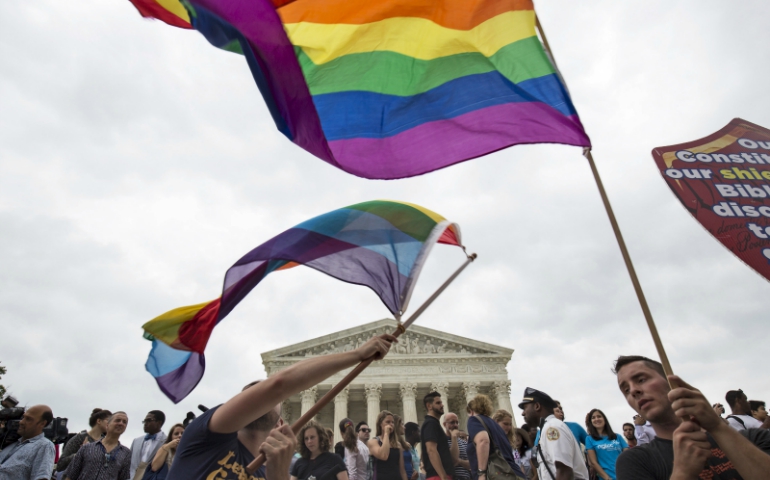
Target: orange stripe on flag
{"points": [[455, 14]]}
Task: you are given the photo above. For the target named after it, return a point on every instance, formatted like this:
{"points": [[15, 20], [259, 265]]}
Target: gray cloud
{"points": [[137, 163]]}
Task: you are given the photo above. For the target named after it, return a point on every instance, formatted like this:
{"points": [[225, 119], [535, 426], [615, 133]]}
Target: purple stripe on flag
{"points": [[258, 21], [180, 382], [443, 143], [342, 260]]}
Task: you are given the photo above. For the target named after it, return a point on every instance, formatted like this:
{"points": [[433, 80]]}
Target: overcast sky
{"points": [[137, 163]]}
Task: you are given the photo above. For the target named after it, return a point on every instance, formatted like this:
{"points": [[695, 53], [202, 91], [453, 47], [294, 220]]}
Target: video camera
{"points": [[56, 431]]}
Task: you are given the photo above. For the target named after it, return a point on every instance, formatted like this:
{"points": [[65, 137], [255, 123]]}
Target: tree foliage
{"points": [[2, 388]]}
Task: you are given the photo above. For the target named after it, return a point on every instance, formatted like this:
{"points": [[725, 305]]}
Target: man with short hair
{"points": [[628, 434], [105, 459], [643, 430], [363, 431], [144, 448], [412, 436], [741, 418], [682, 449], [222, 442], [557, 455], [758, 410], [458, 447], [32, 456], [435, 454]]}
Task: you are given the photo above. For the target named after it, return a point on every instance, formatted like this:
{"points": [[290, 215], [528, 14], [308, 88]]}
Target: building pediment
{"points": [[418, 341]]}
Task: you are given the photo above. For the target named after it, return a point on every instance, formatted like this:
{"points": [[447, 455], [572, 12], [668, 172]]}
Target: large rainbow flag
{"points": [[392, 88], [380, 244]]}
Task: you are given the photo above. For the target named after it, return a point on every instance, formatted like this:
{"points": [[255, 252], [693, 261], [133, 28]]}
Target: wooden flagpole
{"points": [[329, 396], [619, 236]]}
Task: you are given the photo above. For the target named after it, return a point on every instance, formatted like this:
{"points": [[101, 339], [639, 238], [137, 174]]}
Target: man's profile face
{"points": [[743, 402], [451, 422], [437, 406], [364, 432], [760, 413], [31, 423], [628, 432], [646, 391], [530, 414], [558, 413], [117, 424]]}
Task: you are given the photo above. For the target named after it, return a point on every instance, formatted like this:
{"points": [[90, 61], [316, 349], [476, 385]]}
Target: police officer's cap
{"points": [[536, 396]]}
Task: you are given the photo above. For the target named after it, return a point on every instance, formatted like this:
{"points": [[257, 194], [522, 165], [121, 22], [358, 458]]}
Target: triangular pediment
{"points": [[417, 341]]}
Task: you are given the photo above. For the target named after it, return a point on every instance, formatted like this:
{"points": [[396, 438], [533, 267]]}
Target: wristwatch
{"points": [[481, 472]]}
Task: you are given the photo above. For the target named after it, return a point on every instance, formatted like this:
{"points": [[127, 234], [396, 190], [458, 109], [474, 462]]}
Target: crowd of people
{"points": [[676, 434]]}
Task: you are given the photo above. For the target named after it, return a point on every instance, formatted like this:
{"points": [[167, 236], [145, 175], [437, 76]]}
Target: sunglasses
{"points": [[107, 458], [365, 430]]}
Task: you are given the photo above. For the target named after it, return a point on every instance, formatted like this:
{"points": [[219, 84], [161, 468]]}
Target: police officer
{"points": [[558, 454]]}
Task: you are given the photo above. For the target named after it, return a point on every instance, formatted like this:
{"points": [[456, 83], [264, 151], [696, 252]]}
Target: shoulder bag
{"points": [[497, 466]]}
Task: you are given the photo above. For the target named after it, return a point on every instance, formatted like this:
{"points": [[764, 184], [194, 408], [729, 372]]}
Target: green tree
{"points": [[2, 388]]}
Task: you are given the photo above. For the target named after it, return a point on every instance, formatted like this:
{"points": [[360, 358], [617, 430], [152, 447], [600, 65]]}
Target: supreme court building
{"points": [[424, 360]]}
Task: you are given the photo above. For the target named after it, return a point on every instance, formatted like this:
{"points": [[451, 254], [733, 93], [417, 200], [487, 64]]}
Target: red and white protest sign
{"points": [[723, 180]]}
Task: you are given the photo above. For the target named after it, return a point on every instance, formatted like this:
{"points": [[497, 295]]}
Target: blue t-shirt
{"points": [[203, 454], [578, 431], [607, 451], [497, 439]]}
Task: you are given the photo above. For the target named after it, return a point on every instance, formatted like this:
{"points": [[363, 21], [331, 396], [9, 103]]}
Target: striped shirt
{"points": [[92, 462], [460, 473]]}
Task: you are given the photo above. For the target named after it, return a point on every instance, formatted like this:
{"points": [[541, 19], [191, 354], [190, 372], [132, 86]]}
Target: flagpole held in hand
{"points": [[618, 236], [329, 396]]}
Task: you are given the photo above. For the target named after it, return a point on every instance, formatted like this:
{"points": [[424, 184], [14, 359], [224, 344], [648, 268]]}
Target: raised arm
{"points": [[750, 462], [162, 454], [254, 402], [380, 452]]}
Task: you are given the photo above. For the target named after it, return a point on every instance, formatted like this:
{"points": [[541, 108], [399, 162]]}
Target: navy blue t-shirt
{"points": [[498, 441], [203, 454]]}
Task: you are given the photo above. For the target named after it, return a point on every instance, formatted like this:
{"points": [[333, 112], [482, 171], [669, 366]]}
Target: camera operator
{"points": [[32, 457]]}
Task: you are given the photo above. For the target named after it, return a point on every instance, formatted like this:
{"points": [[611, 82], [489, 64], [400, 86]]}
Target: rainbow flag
{"points": [[380, 244], [170, 11], [395, 88]]}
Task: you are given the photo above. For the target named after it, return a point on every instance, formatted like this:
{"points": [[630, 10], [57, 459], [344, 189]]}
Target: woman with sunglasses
{"points": [[603, 446]]}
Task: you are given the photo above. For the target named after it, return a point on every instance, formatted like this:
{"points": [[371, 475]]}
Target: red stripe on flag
{"points": [[152, 9], [195, 333]]}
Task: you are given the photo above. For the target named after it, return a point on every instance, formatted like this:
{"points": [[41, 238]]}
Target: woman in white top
{"points": [[356, 452]]}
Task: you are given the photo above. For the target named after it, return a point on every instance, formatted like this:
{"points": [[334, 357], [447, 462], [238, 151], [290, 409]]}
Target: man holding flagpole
{"points": [[225, 439]]}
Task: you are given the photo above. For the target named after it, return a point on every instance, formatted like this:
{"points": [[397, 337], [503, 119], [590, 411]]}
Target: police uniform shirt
{"points": [[557, 444]]}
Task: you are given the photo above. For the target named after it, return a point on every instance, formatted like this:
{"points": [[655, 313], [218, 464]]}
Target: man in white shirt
{"points": [[144, 448], [558, 454], [741, 418], [643, 430]]}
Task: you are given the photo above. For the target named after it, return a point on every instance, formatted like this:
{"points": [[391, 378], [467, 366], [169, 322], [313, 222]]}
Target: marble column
{"points": [[462, 414], [502, 390], [372, 391], [408, 392], [308, 398], [470, 390], [443, 389], [286, 411], [340, 412]]}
